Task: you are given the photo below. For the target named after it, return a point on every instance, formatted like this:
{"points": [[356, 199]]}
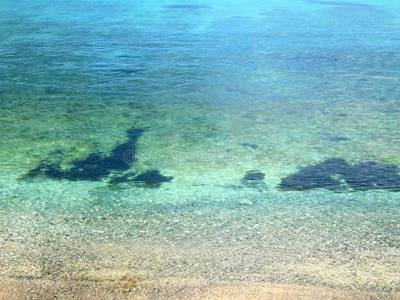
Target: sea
{"points": [[223, 141]]}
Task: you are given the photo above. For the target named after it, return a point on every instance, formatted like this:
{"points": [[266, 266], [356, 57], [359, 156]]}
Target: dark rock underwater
{"points": [[97, 167], [337, 175], [333, 174]]}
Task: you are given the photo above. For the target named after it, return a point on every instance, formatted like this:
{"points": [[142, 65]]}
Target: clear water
{"points": [[219, 88]]}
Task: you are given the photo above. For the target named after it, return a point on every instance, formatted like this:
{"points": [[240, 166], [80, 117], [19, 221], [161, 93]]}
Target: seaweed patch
{"points": [[128, 177], [152, 178], [254, 179], [95, 167], [337, 175], [149, 179], [254, 175]]}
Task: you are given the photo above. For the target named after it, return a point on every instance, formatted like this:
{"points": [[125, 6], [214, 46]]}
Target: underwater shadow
{"points": [[148, 179], [337, 175], [95, 167]]}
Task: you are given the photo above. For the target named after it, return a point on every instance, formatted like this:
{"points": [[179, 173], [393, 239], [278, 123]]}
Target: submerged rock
{"points": [[254, 175], [152, 178], [122, 179], [336, 174], [254, 179], [95, 166], [147, 179]]}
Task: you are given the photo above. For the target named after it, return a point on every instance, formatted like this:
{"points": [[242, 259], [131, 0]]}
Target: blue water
{"points": [[218, 90]]}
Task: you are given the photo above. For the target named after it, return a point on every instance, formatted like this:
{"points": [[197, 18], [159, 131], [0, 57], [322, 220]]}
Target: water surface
{"points": [[259, 140]]}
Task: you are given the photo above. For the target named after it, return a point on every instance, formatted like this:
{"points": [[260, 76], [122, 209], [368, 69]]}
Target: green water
{"points": [[219, 89]]}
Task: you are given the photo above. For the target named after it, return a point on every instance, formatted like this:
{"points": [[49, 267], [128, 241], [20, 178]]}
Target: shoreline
{"points": [[55, 243], [119, 272], [172, 288]]}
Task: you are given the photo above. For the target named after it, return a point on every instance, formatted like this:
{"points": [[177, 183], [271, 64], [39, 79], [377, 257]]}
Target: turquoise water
{"points": [[257, 139]]}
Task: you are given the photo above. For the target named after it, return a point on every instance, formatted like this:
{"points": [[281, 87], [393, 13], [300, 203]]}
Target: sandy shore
{"points": [[129, 288], [107, 246], [110, 272]]}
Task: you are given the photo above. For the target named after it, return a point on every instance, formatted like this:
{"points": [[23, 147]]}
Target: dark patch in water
{"points": [[341, 3], [53, 91], [254, 175], [253, 146], [152, 178], [149, 179], [336, 138], [186, 6], [95, 167], [336, 174], [254, 179], [125, 71], [122, 179]]}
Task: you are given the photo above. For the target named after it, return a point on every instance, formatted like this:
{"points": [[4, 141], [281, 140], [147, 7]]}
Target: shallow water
{"points": [[237, 112]]}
